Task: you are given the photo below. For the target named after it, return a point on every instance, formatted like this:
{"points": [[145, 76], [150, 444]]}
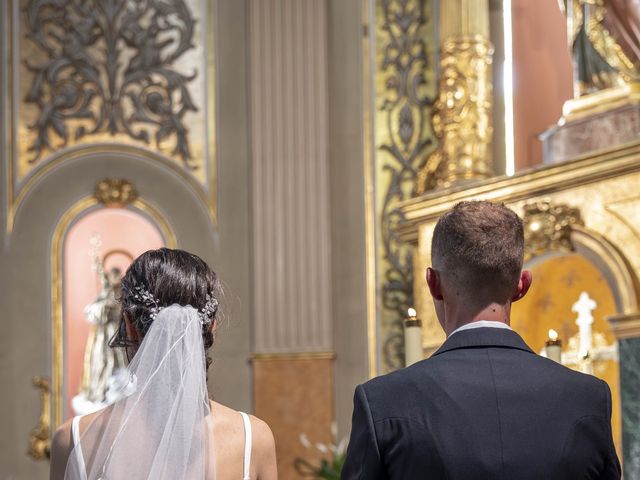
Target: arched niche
{"points": [[612, 263], [52, 205], [123, 234]]}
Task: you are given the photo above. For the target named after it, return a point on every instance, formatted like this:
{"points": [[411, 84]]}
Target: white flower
{"points": [[305, 441], [322, 448]]}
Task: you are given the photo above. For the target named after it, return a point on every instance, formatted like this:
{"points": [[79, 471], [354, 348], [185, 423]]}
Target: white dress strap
{"points": [[248, 440], [77, 448]]}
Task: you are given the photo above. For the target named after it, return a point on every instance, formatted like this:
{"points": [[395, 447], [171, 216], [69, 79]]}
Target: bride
{"points": [[165, 428]]}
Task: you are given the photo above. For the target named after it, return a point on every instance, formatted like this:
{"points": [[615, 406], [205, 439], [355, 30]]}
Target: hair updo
{"points": [[171, 277]]}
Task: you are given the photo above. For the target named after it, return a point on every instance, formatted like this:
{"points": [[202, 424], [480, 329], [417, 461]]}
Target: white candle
{"points": [[553, 347], [412, 339]]}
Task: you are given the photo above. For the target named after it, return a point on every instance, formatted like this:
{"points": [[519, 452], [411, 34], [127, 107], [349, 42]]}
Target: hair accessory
{"points": [[146, 298], [209, 309]]}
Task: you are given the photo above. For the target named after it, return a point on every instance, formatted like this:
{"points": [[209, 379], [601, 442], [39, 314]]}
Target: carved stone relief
{"points": [[547, 227], [110, 66], [129, 74]]}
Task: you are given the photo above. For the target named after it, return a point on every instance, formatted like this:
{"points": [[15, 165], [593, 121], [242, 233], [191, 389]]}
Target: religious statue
{"points": [[104, 368], [588, 349], [604, 39]]}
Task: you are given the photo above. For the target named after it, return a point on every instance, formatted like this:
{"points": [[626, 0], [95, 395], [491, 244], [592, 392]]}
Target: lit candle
{"points": [[412, 339], [553, 347]]}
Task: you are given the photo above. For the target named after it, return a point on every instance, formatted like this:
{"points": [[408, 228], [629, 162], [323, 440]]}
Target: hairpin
{"points": [[146, 298], [209, 309]]}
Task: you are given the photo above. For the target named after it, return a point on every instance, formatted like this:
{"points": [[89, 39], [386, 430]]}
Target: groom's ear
{"points": [[523, 285], [434, 283]]}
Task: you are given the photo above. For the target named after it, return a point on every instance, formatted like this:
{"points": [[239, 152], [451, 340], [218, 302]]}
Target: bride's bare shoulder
{"points": [[228, 418], [263, 451]]}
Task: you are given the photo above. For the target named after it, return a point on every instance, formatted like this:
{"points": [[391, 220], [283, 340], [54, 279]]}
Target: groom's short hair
{"points": [[479, 247]]}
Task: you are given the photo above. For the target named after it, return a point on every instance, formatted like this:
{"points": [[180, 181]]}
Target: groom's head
{"points": [[477, 254]]}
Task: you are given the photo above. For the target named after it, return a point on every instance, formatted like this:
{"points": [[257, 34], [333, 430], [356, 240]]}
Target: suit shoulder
{"points": [[587, 389], [573, 377], [398, 377], [384, 391]]}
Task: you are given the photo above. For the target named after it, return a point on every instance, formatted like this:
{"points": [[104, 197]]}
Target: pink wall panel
{"points": [[542, 74], [118, 229]]}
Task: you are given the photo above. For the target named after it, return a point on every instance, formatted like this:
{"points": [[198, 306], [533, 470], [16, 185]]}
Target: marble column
{"points": [[627, 330], [293, 356]]}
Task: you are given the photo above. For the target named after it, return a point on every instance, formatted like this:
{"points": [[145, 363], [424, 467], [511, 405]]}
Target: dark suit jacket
{"points": [[484, 406]]}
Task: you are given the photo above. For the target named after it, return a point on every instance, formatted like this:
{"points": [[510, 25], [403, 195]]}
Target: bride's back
{"points": [[165, 427], [225, 460]]}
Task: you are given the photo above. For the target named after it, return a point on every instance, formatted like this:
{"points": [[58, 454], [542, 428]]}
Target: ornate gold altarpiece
{"points": [[602, 187]]}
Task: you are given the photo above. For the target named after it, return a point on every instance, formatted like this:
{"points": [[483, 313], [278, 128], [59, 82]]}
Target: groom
{"points": [[484, 406]]}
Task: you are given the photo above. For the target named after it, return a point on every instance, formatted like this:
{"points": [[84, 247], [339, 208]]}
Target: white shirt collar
{"points": [[481, 323]]}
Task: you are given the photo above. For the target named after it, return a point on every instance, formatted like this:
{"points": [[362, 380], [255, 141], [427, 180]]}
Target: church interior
{"points": [[305, 149]]}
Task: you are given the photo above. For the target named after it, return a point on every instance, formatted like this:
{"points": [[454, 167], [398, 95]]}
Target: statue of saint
{"points": [[604, 39], [104, 368]]}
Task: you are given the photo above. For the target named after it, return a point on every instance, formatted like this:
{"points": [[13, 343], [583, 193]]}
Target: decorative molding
{"points": [[265, 357], [625, 326], [403, 139], [591, 168], [548, 227], [368, 115], [115, 192]]}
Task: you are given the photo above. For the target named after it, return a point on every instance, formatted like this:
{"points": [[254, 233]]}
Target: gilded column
{"points": [[462, 111]]}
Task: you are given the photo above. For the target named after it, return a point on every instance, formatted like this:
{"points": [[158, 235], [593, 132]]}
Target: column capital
{"points": [[626, 325]]}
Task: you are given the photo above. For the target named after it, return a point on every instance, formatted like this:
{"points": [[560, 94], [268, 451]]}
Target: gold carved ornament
{"points": [[462, 120], [40, 437], [547, 227], [112, 192]]}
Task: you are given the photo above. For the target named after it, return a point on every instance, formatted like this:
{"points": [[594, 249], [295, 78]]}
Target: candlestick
{"points": [[553, 347], [412, 339]]}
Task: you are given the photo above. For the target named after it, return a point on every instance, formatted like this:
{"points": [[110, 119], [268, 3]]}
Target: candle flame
{"points": [[553, 335], [412, 312]]}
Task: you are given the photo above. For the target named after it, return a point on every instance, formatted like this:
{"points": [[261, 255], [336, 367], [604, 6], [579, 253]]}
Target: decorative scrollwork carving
{"points": [[40, 438], [110, 67], [547, 227], [407, 136], [462, 115], [115, 192]]}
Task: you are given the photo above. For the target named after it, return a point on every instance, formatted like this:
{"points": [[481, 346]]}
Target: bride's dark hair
{"points": [[171, 277]]}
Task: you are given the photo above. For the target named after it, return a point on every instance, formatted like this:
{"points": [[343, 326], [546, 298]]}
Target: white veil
{"points": [[159, 431]]}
